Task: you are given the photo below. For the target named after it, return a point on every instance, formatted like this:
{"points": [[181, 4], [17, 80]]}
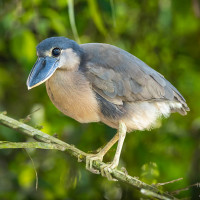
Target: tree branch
{"points": [[49, 142], [35, 145]]}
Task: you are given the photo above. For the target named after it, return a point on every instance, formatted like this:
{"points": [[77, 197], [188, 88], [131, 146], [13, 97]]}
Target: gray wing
{"points": [[119, 77]]}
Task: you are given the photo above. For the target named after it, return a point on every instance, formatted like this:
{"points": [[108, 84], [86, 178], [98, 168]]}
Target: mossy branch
{"points": [[49, 142]]}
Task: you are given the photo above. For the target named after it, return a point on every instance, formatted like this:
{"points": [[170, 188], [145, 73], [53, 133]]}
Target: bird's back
{"points": [[124, 85]]}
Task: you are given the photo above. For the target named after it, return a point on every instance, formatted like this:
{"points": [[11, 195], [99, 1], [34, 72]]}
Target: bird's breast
{"points": [[71, 93]]}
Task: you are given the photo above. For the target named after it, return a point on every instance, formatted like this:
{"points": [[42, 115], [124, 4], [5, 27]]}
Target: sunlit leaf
{"points": [[26, 177]]}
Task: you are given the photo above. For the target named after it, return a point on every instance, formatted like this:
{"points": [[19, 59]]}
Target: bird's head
{"points": [[54, 53]]}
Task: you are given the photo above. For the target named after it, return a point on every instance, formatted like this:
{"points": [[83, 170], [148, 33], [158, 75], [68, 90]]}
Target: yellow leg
{"points": [[99, 156], [107, 168], [110, 144]]}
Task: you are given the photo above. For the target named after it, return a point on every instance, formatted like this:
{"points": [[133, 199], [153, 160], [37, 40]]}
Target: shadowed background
{"points": [[165, 34]]}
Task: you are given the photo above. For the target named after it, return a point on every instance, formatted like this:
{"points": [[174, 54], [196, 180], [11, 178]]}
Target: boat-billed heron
{"points": [[99, 82]]}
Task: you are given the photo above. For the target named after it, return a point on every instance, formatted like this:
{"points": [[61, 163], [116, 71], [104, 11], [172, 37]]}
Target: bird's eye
{"points": [[56, 52]]}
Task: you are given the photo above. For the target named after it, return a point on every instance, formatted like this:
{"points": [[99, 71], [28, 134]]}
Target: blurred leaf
{"points": [[150, 173], [188, 25], [28, 16], [57, 22], [26, 177], [96, 16], [61, 3], [72, 20], [165, 17], [23, 46], [113, 12]]}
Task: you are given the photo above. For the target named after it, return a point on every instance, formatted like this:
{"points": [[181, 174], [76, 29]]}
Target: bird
{"points": [[98, 82]]}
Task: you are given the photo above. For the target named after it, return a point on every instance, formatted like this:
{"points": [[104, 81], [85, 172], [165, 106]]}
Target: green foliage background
{"points": [[163, 33]]}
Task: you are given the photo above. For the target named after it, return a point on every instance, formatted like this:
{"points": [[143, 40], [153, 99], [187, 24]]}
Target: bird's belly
{"points": [[141, 115], [144, 115], [78, 103]]}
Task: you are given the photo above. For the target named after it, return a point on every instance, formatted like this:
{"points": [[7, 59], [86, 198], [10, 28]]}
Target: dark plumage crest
{"points": [[59, 42]]}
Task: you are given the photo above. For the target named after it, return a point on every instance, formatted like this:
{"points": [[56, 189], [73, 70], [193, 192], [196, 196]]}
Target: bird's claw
{"points": [[90, 158], [106, 170]]}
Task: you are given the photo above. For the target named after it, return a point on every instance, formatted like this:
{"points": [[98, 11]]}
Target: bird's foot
{"points": [[106, 170], [90, 158]]}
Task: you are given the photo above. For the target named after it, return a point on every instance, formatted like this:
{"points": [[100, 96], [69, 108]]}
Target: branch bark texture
{"points": [[46, 141]]}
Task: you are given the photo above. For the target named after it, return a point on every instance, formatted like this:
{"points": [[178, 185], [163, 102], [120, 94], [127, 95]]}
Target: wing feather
{"points": [[119, 77]]}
